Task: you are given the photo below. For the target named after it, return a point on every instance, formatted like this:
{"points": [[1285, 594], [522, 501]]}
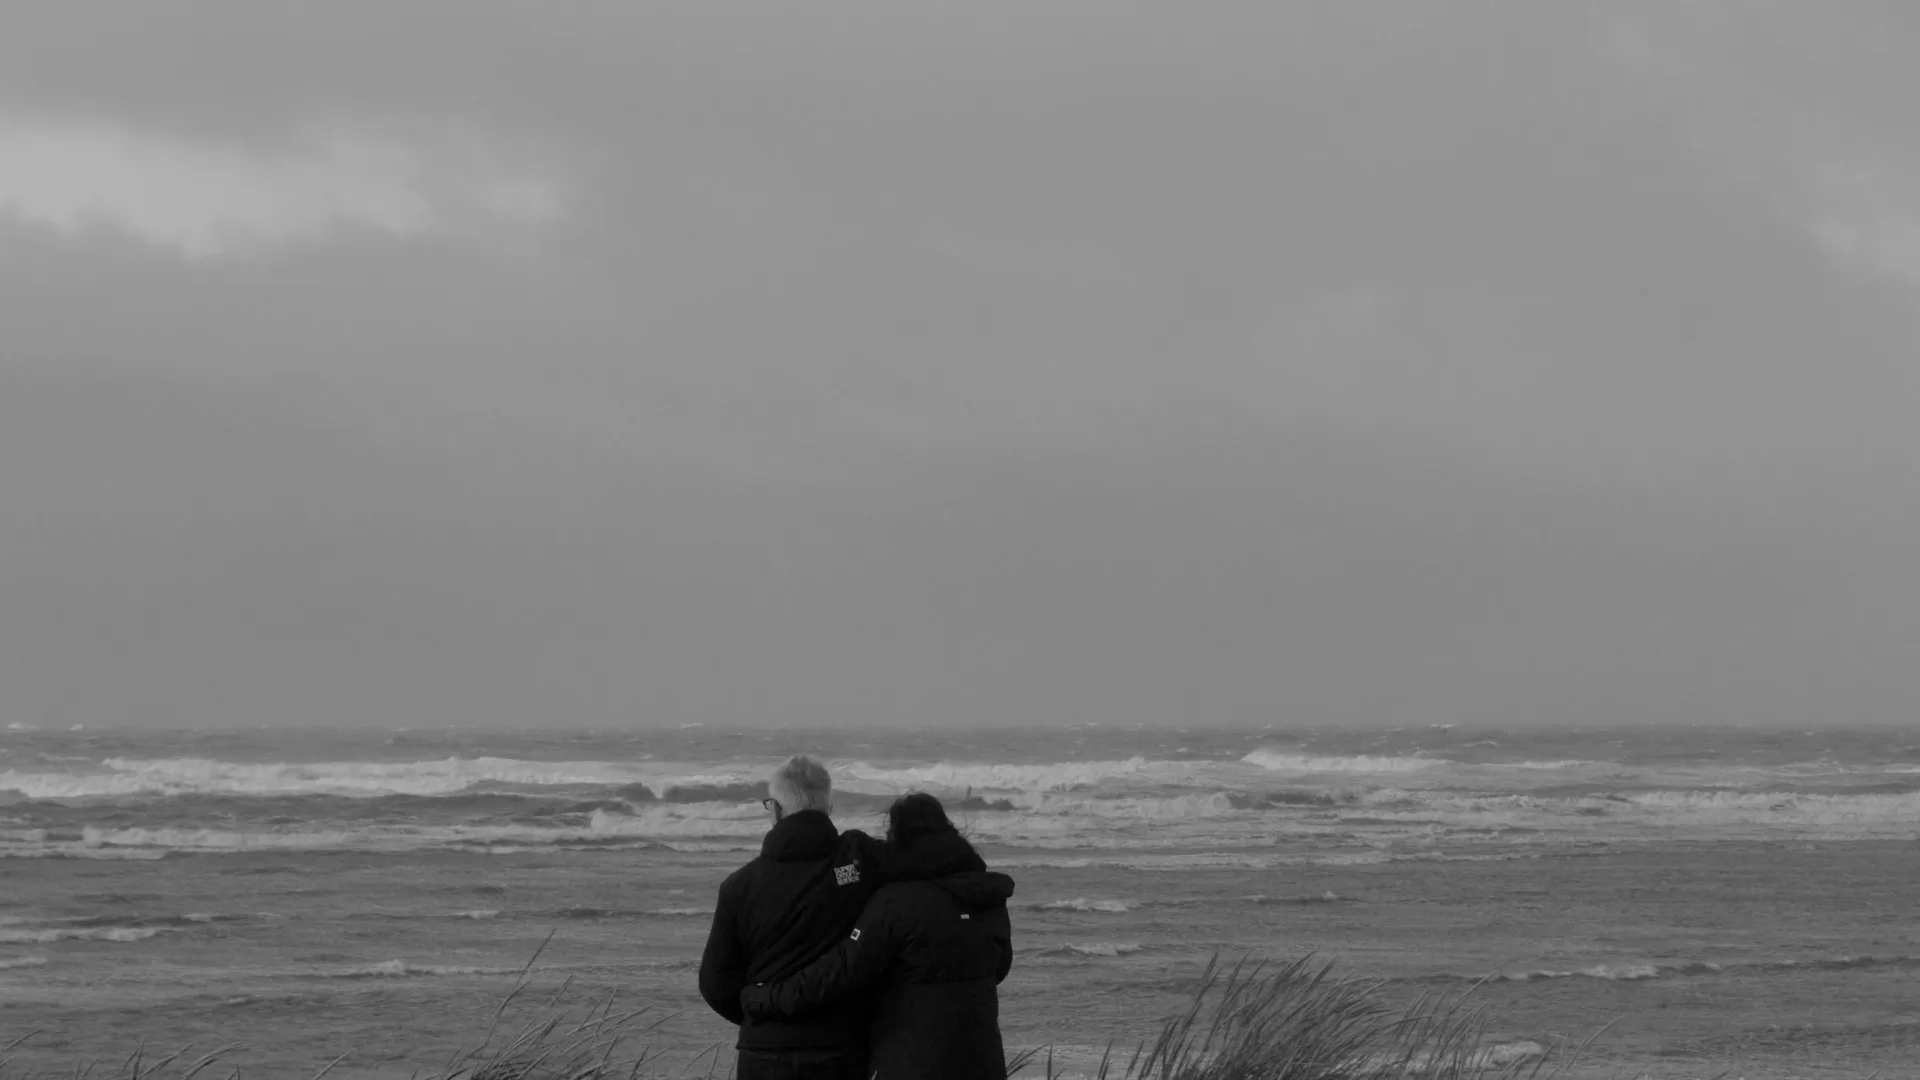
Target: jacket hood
{"points": [[933, 856], [949, 862], [805, 836], [977, 889]]}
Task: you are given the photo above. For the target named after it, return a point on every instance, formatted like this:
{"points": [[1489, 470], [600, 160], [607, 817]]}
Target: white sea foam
{"points": [[1211, 804], [1479, 1060], [1105, 949], [1870, 814], [1326, 897], [1132, 804], [1608, 972], [402, 968], [90, 933], [1083, 904], [22, 962], [200, 776], [70, 851], [949, 776], [477, 913], [649, 821], [1281, 761], [1174, 862]]}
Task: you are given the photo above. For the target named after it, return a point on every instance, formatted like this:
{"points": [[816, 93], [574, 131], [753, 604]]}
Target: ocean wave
{"points": [[1841, 963], [601, 829], [1886, 807], [71, 852], [1089, 950], [632, 913], [1172, 862], [396, 969], [1611, 972], [948, 776], [1083, 904], [119, 776], [1078, 811], [80, 933], [1642, 970], [1398, 805], [1281, 761], [190, 919], [477, 914], [22, 962], [1481, 1059]]}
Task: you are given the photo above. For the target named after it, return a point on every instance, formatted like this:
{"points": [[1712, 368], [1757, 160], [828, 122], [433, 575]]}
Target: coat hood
{"points": [[932, 856], [948, 861], [805, 836]]}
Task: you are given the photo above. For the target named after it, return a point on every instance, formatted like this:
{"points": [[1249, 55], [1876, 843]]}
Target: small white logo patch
{"points": [[856, 933], [846, 875]]}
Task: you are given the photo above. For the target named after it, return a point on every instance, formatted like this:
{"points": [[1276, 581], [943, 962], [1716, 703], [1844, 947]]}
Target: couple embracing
{"points": [[843, 957]]}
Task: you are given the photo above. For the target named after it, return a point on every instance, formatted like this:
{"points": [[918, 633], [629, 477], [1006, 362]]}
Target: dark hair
{"points": [[914, 816]]}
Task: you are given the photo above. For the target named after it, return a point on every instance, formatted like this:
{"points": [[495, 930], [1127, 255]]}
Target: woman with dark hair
{"points": [[934, 941]]}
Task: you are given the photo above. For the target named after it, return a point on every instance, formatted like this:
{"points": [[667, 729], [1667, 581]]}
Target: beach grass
{"points": [[1301, 1020], [1251, 1020]]}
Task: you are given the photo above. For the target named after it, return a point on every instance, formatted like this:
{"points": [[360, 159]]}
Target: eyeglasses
{"points": [[769, 804]]}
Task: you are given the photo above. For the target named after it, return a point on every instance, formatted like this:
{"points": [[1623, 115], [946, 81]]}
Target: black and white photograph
{"points": [[960, 540]]}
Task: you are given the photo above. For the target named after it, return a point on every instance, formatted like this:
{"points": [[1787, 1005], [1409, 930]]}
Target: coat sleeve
{"points": [[1002, 926], [857, 962], [723, 964]]}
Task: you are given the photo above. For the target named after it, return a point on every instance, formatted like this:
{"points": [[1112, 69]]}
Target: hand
{"points": [[757, 1001]]}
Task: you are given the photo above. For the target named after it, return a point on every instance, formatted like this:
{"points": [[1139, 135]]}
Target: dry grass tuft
{"points": [[1252, 1021], [1299, 1021]]}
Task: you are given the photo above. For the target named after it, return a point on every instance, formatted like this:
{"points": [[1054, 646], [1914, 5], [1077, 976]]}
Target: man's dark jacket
{"points": [[937, 944], [779, 913]]}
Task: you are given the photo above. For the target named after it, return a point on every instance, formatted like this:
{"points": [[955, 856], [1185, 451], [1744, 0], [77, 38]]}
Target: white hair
{"points": [[801, 783]]}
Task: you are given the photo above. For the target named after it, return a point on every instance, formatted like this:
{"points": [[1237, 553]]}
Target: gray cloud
{"points": [[1299, 362]]}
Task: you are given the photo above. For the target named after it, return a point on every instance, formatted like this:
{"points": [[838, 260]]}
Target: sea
{"points": [[1736, 902]]}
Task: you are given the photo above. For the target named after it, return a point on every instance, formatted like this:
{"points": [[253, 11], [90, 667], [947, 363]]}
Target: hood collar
{"points": [[934, 856], [802, 836]]}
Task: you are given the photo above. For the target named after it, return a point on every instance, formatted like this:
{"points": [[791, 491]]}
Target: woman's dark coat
{"points": [[935, 942]]}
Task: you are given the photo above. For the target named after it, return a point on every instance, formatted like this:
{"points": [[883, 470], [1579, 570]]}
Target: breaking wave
{"points": [[1280, 761], [80, 933], [397, 969], [1224, 811], [1090, 950], [946, 776], [632, 913], [119, 777], [1083, 904], [1634, 972]]}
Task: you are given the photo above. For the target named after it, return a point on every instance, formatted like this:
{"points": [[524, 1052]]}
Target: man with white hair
{"points": [[779, 913]]}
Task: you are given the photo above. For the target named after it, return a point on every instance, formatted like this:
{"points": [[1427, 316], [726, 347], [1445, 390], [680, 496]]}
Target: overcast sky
{"points": [[417, 362]]}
